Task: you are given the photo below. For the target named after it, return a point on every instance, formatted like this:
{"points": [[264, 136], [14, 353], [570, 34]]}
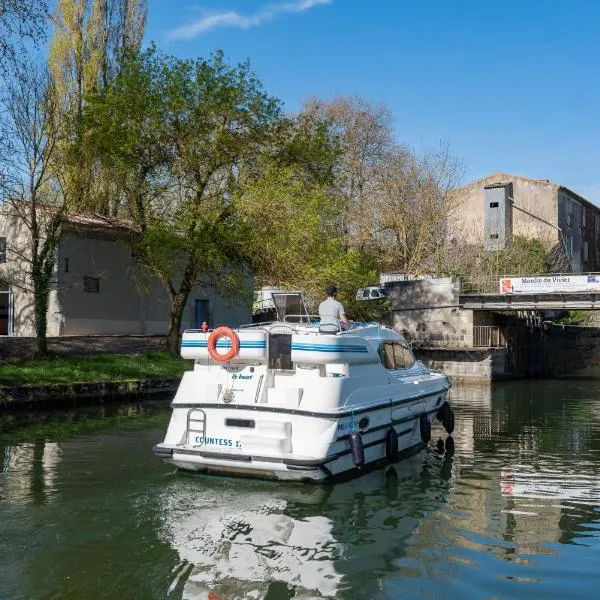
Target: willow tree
{"points": [[176, 135]]}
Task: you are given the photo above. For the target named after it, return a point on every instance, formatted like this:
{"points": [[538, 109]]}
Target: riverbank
{"points": [[69, 377]]}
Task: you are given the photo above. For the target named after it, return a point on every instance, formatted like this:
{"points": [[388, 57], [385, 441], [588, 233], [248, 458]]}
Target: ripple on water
{"points": [[513, 512]]}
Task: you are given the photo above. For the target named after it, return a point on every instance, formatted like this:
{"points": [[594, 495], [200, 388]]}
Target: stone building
{"points": [[97, 289], [537, 208]]}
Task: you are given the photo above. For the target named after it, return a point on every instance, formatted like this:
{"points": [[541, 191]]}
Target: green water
{"points": [[86, 511]]}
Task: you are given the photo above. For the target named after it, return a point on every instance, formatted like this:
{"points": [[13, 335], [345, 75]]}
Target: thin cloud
{"points": [[232, 18]]}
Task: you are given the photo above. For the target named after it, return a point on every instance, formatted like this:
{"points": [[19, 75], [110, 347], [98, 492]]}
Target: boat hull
{"points": [[340, 460]]}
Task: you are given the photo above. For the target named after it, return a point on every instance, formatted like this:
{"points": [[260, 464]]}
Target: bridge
{"points": [[579, 292]]}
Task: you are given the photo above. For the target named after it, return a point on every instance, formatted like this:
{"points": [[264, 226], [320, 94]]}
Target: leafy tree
{"points": [[362, 130], [176, 135]]}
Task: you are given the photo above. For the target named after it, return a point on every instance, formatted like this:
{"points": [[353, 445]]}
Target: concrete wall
{"points": [[539, 197], [127, 302], [548, 351], [484, 364], [570, 220], [427, 311], [15, 272], [578, 219]]}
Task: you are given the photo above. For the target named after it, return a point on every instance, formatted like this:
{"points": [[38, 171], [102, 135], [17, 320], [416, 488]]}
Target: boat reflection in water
{"points": [[302, 542]]}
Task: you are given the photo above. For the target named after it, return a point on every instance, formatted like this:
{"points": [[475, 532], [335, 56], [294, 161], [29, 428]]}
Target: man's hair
{"points": [[331, 290]]}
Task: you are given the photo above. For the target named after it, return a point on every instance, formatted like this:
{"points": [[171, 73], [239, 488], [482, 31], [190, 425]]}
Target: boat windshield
{"points": [[290, 307]]}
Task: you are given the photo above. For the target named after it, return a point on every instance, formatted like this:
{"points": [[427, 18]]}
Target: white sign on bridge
{"points": [[548, 284]]}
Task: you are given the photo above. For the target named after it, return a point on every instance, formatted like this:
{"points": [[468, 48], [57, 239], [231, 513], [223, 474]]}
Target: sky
{"points": [[512, 85]]}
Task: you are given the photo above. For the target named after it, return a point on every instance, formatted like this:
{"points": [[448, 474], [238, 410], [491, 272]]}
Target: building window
{"points": [[66, 265], [91, 285], [2, 249], [586, 251]]}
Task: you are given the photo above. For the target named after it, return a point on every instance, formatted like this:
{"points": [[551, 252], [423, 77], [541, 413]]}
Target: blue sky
{"points": [[513, 85]]}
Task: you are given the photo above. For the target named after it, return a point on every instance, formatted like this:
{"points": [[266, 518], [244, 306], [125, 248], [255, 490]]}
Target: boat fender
{"points": [[357, 449], [445, 415], [449, 421], [425, 427], [391, 444], [215, 336]]}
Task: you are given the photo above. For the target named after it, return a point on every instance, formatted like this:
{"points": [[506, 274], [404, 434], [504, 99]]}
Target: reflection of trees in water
{"points": [[272, 541], [545, 435], [30, 472], [549, 416]]}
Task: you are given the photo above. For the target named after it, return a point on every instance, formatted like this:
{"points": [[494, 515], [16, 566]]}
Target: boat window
{"points": [[403, 357], [397, 356], [388, 355]]}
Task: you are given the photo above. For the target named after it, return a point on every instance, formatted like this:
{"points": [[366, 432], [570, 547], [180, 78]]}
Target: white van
{"points": [[372, 292]]}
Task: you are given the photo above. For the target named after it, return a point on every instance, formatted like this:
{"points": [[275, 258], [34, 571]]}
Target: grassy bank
{"points": [[61, 368]]}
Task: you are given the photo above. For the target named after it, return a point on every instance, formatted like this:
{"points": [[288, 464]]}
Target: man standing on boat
{"points": [[331, 312]]}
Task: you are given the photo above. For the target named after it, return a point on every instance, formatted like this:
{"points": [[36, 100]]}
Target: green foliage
{"points": [[177, 134], [523, 256], [289, 236], [572, 317], [91, 368]]}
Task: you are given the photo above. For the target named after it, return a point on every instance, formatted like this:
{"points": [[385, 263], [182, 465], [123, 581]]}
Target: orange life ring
{"points": [[215, 336]]}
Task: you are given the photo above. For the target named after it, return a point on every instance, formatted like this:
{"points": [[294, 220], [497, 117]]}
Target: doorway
{"points": [[201, 313]]}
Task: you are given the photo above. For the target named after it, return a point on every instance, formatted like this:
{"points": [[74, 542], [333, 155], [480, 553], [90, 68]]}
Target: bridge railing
{"points": [[479, 285], [489, 336], [491, 284]]}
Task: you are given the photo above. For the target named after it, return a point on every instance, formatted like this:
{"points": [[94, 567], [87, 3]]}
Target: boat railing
{"points": [[301, 319], [255, 325]]}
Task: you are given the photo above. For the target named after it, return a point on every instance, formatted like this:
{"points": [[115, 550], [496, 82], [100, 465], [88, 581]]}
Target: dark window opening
{"points": [[494, 236], [91, 285], [66, 265], [493, 204], [240, 423], [280, 351]]}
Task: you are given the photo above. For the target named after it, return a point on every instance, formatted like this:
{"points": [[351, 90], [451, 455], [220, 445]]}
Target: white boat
{"points": [[293, 400]]}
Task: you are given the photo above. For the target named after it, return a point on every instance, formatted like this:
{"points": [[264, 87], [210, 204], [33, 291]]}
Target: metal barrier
{"points": [[489, 336], [490, 284]]}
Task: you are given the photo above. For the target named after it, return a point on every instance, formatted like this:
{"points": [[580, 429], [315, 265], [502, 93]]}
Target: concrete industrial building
{"points": [[97, 289], [489, 212], [502, 205]]}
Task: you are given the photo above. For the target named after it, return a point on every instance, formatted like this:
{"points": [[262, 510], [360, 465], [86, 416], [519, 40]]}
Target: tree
{"points": [[410, 203], [90, 38], [20, 21], [362, 130], [31, 184], [177, 134]]}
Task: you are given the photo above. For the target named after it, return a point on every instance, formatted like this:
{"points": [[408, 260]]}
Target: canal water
{"points": [[86, 510]]}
